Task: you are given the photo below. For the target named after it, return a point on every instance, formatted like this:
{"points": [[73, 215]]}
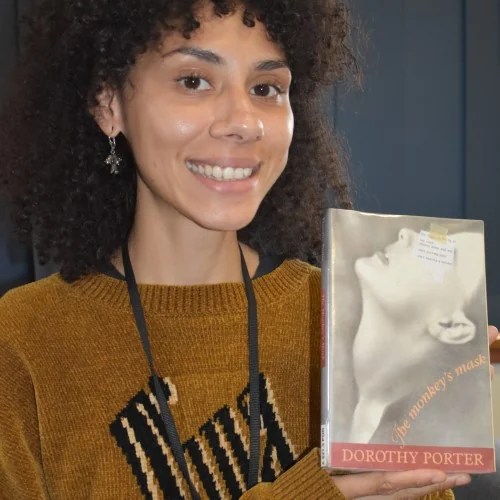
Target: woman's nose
{"points": [[237, 119]]}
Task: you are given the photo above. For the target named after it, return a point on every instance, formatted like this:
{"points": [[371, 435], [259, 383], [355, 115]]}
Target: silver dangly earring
{"points": [[113, 160]]}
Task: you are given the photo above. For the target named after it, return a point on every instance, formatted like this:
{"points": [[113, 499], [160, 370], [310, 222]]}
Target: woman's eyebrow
{"points": [[202, 54], [271, 64], [213, 58]]}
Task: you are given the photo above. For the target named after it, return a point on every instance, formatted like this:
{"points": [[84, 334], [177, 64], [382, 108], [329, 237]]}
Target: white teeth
{"points": [[228, 174], [220, 173], [217, 172]]}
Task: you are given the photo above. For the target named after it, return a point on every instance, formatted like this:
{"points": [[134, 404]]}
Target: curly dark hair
{"points": [[52, 150]]}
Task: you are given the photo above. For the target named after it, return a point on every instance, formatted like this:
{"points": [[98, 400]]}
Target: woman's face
{"points": [[209, 121], [403, 285]]}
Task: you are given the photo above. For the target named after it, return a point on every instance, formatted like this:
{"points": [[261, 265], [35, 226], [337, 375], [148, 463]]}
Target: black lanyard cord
{"points": [[253, 355], [166, 415], [253, 362]]}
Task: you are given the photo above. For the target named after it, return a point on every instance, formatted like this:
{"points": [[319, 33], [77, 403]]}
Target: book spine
{"points": [[327, 312]]}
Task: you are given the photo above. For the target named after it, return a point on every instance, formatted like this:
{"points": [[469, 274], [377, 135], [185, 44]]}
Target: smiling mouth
{"points": [[222, 173]]}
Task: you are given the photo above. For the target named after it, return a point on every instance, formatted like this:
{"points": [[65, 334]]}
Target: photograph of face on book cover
{"points": [[410, 362]]}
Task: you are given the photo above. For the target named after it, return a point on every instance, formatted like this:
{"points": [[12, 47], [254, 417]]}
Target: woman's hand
{"points": [[406, 485], [493, 335]]}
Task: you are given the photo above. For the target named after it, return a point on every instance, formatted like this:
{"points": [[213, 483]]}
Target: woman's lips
{"points": [[222, 173], [228, 180]]}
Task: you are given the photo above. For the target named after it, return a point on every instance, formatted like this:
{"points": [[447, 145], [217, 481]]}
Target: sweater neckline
{"points": [[195, 300]]}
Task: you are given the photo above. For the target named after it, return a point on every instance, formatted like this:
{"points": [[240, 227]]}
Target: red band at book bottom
{"points": [[396, 457]]}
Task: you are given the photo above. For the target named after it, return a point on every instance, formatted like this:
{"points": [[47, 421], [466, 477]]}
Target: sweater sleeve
{"points": [[21, 474], [306, 479]]}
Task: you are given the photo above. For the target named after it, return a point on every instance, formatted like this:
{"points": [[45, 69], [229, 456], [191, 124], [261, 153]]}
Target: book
{"points": [[405, 354]]}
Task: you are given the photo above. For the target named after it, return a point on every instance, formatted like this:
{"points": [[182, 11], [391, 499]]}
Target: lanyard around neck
{"points": [[253, 363]]}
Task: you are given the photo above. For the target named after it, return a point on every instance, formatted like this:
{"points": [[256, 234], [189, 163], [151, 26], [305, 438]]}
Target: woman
{"points": [[418, 309], [141, 140]]}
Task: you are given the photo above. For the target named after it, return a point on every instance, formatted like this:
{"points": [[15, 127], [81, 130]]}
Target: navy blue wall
{"points": [[406, 129], [424, 133], [482, 145], [15, 260]]}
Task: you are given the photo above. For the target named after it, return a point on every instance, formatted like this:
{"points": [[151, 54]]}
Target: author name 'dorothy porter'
{"points": [[418, 458]]}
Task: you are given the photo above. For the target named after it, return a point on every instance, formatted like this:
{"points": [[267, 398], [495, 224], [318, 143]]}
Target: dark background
{"points": [[424, 132]]}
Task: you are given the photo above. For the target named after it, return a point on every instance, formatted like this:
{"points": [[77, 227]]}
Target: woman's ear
{"points": [[108, 112], [457, 329]]}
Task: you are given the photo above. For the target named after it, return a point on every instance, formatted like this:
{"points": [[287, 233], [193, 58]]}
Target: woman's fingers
{"points": [[418, 493], [390, 484], [492, 333]]}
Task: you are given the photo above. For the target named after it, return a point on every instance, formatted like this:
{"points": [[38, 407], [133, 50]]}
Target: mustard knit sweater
{"points": [[79, 419]]}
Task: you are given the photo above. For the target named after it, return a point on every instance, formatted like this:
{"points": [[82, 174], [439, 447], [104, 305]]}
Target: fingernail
{"points": [[438, 479], [462, 480]]}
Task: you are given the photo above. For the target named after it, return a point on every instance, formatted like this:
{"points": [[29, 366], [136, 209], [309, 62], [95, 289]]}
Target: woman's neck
{"points": [[173, 250]]}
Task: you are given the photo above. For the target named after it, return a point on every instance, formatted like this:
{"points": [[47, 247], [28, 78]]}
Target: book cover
{"points": [[405, 355]]}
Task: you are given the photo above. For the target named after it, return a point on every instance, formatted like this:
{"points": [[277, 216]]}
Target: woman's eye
{"points": [[194, 83], [266, 90]]}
